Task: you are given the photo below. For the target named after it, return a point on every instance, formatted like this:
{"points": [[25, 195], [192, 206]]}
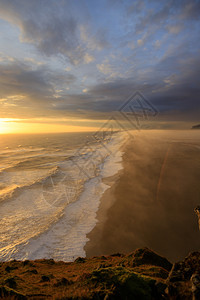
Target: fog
{"points": [[155, 197]]}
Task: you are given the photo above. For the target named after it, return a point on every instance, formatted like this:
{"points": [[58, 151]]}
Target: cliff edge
{"points": [[142, 274]]}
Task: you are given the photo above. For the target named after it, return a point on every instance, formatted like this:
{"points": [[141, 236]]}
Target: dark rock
{"points": [[161, 288], [195, 280], [175, 274], [184, 278], [50, 261], [7, 269], [45, 278], [196, 126], [9, 293], [11, 282], [45, 261], [146, 256], [62, 282], [80, 260], [10, 268], [103, 257], [117, 255], [26, 262]]}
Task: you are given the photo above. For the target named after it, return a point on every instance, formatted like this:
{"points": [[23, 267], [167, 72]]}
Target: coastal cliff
{"points": [[142, 274], [196, 126]]}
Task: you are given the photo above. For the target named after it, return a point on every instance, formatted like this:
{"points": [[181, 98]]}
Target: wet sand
{"points": [[152, 200]]}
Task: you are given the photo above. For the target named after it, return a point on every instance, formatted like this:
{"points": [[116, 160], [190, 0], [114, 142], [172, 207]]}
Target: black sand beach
{"points": [[152, 202]]}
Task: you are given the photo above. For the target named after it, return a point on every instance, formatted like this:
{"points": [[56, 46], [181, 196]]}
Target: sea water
{"points": [[50, 190]]}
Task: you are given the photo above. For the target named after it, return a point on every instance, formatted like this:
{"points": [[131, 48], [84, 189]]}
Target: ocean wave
{"points": [[19, 150], [79, 218], [13, 191], [57, 207], [34, 162]]}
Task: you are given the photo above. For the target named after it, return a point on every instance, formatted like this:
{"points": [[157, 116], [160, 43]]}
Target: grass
{"points": [[132, 276]]}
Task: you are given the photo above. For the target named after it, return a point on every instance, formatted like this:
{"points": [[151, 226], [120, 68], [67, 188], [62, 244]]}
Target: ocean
{"points": [[50, 190]]}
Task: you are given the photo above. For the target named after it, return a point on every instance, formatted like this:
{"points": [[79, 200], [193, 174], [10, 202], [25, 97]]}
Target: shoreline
{"points": [[106, 202], [152, 202]]}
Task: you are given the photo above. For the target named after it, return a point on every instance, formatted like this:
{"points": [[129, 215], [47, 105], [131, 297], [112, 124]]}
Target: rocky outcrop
{"points": [[196, 126], [197, 211], [184, 279], [142, 274]]}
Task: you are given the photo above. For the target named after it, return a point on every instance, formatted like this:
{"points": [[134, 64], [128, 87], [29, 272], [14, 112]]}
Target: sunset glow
{"points": [[82, 60], [8, 126]]}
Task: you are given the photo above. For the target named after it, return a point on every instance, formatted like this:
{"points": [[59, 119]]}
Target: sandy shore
{"points": [[152, 200]]}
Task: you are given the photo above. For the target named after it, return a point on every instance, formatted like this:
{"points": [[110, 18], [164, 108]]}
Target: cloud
{"points": [[107, 69], [20, 79], [68, 69], [131, 45], [104, 68], [48, 25], [178, 91], [140, 42], [55, 28], [88, 58], [144, 47], [23, 85], [5, 58], [175, 29], [136, 8], [190, 10], [153, 18], [33, 61], [157, 44], [96, 41]]}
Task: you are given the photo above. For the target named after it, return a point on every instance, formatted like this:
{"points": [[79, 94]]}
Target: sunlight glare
{"points": [[9, 125]]}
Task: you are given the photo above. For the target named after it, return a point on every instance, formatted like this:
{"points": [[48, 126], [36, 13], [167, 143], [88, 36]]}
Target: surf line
{"points": [[162, 171]]}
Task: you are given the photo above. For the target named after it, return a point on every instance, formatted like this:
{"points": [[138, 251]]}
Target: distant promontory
{"points": [[196, 126]]}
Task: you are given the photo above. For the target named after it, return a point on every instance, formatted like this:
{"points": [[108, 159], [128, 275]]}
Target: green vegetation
{"points": [[141, 275]]}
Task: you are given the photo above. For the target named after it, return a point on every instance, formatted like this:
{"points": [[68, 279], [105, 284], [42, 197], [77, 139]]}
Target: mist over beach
{"points": [[93, 196], [153, 201]]}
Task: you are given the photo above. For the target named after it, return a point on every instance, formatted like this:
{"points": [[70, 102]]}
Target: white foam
{"points": [[113, 162], [48, 235], [66, 239]]}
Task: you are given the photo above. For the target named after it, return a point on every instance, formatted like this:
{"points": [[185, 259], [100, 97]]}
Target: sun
{"points": [[4, 127], [10, 125]]}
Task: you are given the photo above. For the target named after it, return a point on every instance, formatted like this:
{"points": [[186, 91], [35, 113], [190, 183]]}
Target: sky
{"points": [[73, 65]]}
